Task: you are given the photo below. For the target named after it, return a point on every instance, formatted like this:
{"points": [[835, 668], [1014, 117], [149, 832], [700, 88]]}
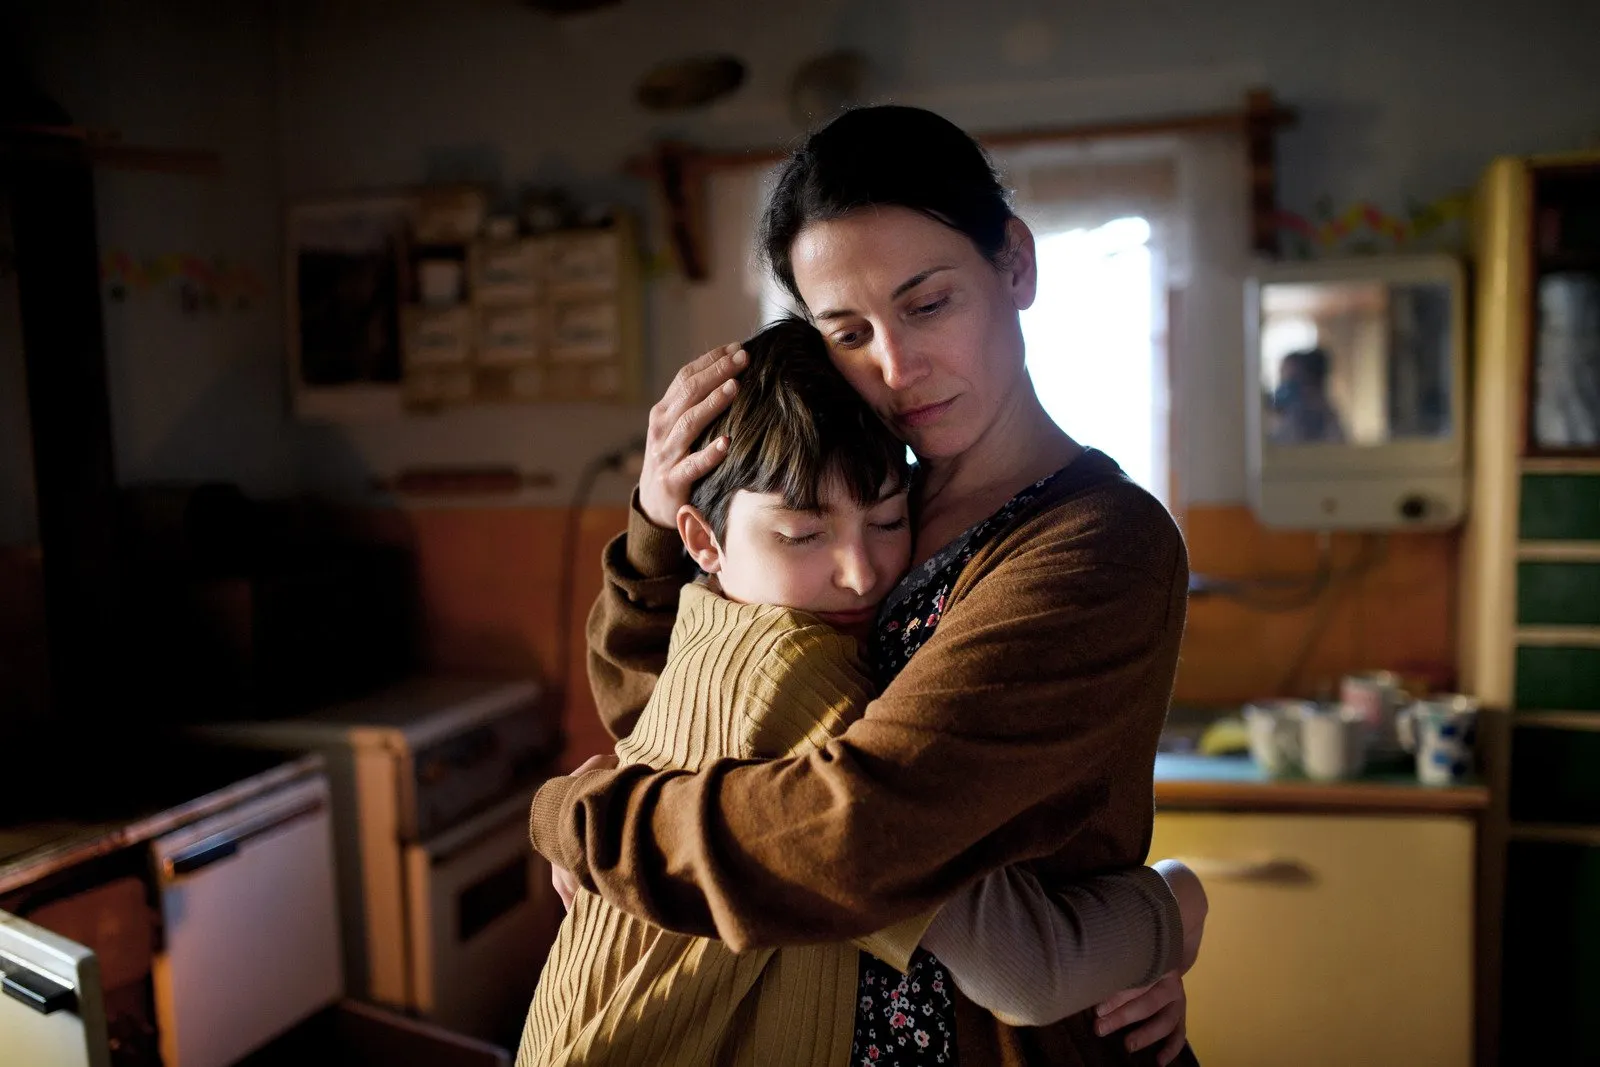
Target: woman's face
{"points": [[924, 327]]}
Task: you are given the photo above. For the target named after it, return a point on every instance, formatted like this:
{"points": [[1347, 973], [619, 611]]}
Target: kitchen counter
{"points": [[68, 803], [1234, 783]]}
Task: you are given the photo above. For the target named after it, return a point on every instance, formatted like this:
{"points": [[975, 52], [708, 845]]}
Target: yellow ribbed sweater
{"points": [[768, 682]]}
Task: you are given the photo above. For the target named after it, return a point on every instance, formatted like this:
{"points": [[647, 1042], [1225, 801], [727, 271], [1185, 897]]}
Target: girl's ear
{"points": [[1022, 266], [698, 539]]}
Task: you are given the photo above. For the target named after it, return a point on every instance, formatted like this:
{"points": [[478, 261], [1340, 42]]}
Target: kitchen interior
{"points": [[328, 333]]}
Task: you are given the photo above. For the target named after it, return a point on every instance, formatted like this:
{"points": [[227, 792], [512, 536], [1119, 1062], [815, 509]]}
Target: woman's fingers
{"points": [[692, 423], [1145, 1004], [699, 392], [1160, 1026], [698, 379], [699, 464], [1111, 1004]]}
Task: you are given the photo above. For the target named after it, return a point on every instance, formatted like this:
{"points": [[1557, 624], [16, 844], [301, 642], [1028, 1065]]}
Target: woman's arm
{"points": [[631, 621], [1033, 956], [1024, 728]]}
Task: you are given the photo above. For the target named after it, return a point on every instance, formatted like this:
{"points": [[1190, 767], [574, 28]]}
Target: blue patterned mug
{"points": [[1443, 732]]}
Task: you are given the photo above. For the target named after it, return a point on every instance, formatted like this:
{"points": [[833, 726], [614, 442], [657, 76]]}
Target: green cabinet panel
{"points": [[1558, 678], [1558, 594], [1552, 954], [1560, 507], [1555, 775]]}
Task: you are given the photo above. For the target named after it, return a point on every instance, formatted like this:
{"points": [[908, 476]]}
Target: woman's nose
{"points": [[853, 570], [898, 360]]}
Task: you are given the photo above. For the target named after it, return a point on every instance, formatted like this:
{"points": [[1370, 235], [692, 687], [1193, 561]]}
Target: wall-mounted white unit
{"points": [[1356, 393]]}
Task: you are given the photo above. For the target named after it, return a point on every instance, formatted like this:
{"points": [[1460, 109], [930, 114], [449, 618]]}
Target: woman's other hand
{"points": [[697, 394], [565, 882], [1162, 1008]]}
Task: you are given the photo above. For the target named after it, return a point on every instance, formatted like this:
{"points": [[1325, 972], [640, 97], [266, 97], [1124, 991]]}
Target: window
{"points": [[1091, 337]]}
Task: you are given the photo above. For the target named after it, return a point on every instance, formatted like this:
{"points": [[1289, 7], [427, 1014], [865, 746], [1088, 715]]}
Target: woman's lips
{"points": [[925, 414]]}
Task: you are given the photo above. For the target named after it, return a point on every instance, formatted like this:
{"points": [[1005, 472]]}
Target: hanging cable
{"points": [[582, 489]]}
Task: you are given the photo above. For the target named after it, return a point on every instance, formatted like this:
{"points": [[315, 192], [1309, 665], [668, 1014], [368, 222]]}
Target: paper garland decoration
{"points": [[1365, 225], [204, 284]]}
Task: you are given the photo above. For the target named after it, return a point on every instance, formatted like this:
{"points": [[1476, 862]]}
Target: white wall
{"points": [[193, 396], [1400, 98]]}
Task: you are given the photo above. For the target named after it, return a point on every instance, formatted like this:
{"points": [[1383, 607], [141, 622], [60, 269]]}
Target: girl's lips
{"points": [[924, 415], [847, 618]]}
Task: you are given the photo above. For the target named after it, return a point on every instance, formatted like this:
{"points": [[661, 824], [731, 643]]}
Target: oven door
{"points": [[52, 1013], [483, 916], [250, 924]]}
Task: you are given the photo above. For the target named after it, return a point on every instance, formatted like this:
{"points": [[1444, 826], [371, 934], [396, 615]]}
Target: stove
{"points": [[447, 911]]}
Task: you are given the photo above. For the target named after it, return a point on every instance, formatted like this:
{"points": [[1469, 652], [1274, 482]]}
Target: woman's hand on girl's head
{"points": [[698, 393]]}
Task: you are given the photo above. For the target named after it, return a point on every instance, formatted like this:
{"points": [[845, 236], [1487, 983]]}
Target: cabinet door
{"points": [[1332, 940]]}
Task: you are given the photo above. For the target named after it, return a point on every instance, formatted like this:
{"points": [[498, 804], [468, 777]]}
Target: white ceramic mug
{"points": [[1442, 730], [1273, 727], [1333, 743]]}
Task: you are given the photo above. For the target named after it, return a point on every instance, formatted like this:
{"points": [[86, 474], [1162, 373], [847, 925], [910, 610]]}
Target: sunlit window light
{"points": [[1089, 336]]}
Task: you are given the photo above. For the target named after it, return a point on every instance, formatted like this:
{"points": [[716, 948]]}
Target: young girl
{"points": [[800, 534]]}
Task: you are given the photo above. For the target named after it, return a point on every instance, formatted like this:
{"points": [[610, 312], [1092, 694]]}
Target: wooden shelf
{"points": [[104, 148]]}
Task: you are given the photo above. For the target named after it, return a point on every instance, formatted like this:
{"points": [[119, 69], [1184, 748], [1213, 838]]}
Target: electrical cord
{"points": [[1372, 550], [582, 489], [1273, 593]]}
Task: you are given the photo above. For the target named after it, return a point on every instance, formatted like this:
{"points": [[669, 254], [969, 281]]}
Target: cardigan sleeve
{"points": [[1033, 956], [631, 622], [1037, 701]]}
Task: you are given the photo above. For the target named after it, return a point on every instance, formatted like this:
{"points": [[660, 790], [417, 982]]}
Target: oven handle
{"points": [[225, 843], [43, 995]]}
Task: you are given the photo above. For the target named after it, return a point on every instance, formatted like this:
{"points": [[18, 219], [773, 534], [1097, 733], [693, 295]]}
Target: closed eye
{"points": [[898, 524], [801, 539]]}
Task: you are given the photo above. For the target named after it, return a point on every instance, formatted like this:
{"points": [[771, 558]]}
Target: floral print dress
{"points": [[909, 1020]]}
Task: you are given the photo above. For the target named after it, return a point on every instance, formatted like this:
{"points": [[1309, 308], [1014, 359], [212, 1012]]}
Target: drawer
{"points": [[584, 262], [1555, 775], [1558, 678], [436, 338], [588, 330], [508, 273], [1552, 953], [1558, 594], [522, 382], [1332, 940], [1560, 507], [509, 335], [431, 386]]}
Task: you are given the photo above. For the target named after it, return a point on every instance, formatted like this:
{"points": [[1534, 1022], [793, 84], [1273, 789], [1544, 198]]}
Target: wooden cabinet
{"points": [[1332, 940], [1530, 584]]}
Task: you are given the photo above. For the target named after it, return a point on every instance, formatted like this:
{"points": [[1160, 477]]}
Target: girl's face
{"points": [[924, 327], [837, 563]]}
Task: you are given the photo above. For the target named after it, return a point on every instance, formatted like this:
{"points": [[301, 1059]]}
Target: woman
{"points": [[1032, 647]]}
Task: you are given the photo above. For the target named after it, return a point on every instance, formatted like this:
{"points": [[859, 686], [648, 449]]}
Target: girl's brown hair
{"points": [[794, 425]]}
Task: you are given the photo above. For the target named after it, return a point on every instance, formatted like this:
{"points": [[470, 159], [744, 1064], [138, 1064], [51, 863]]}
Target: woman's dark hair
{"points": [[888, 156], [794, 424]]}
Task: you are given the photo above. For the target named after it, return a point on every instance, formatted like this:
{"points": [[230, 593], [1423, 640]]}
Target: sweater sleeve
{"points": [[1024, 728], [631, 622], [1032, 956]]}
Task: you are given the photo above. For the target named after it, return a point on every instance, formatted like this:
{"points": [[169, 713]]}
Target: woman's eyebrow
{"points": [[900, 290]]}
